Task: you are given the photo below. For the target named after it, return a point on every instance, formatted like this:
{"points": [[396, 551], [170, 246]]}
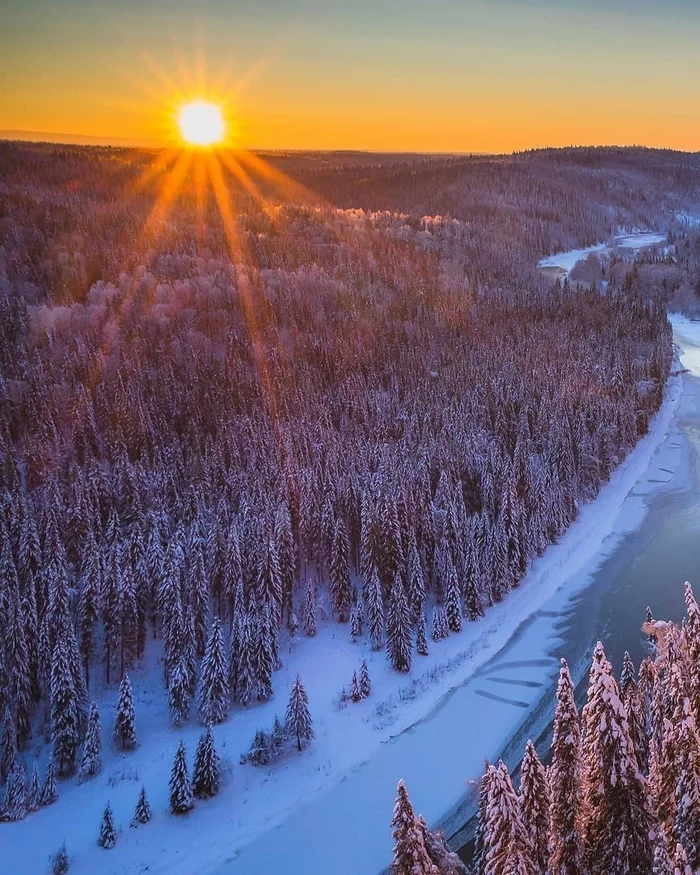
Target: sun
{"points": [[201, 123]]}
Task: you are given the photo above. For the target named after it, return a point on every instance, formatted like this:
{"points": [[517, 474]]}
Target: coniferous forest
{"points": [[322, 390], [621, 792]]}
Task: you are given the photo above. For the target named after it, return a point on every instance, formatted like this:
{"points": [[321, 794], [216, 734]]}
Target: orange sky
{"points": [[450, 75]]}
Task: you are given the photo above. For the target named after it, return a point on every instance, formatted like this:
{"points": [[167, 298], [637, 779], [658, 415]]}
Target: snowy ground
{"points": [[565, 261], [433, 728]]}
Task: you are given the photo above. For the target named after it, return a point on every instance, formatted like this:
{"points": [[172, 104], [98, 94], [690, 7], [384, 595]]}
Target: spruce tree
{"points": [[205, 778], [15, 807], [453, 600], [107, 837], [535, 806], [179, 691], [398, 642], [142, 812], [59, 861], [340, 573], [49, 793], [125, 722], [686, 828], [297, 721], [34, 791], [212, 697], [421, 639], [91, 761], [278, 738], [415, 579], [64, 711], [365, 683], [8, 753], [447, 863], [308, 619], [246, 681], [375, 610], [506, 841], [410, 853], [565, 781], [355, 692], [355, 621], [181, 799], [619, 822], [264, 654]]}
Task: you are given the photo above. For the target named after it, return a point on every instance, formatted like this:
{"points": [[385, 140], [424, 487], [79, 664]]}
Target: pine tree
{"points": [[15, 807], [181, 799], [355, 692], [398, 644], [365, 684], [439, 854], [278, 738], [375, 610], [49, 793], [246, 682], [205, 778], [34, 791], [125, 723], [308, 619], [453, 606], [263, 654], [179, 691], [535, 805], [59, 861], [142, 813], [297, 719], [415, 579], [439, 629], [91, 762], [107, 838], [421, 639], [340, 573], [506, 839], [64, 711], [686, 828], [565, 781], [410, 853], [213, 697], [8, 754], [356, 621], [619, 823]]}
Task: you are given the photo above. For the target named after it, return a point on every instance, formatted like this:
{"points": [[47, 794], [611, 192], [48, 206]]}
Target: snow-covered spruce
{"points": [[107, 837], [125, 737], [213, 693], [205, 776], [181, 798], [91, 760], [142, 812], [297, 721], [60, 862]]}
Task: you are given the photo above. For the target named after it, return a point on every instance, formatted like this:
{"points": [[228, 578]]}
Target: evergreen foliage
{"points": [[205, 777], [181, 798]]}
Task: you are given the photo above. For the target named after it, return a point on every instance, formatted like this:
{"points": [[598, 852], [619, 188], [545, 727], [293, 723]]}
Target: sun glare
{"points": [[201, 123]]}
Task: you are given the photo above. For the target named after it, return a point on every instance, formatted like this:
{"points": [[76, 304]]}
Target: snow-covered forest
{"points": [[621, 792], [330, 392]]}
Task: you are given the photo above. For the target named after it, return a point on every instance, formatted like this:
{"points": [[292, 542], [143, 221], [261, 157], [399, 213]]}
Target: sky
{"points": [[391, 75]]}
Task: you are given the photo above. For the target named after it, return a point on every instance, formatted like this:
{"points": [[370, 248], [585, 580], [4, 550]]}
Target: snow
{"points": [[566, 261], [432, 727]]}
